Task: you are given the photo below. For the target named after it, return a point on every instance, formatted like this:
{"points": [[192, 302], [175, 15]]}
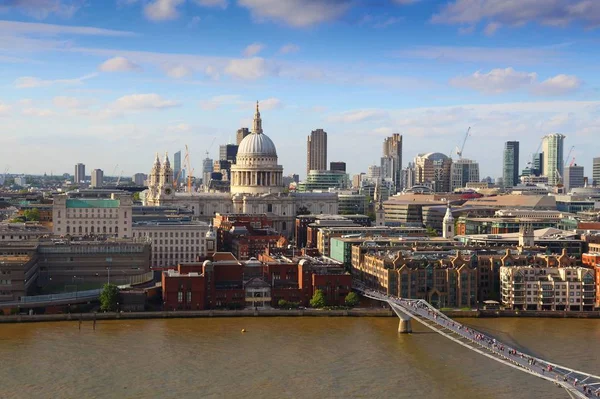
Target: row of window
{"points": [[166, 235]]}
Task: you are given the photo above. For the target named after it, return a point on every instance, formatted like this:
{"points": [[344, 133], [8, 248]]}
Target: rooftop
{"points": [[93, 203]]}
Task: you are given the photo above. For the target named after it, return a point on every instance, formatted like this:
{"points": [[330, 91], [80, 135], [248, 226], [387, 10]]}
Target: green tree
{"points": [[318, 300], [136, 196], [32, 215], [109, 298], [283, 303], [352, 299], [431, 232]]}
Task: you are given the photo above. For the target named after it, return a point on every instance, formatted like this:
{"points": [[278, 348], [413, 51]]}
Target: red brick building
{"points": [[225, 282]]}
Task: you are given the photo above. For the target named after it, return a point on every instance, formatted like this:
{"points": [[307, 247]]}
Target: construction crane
{"points": [[460, 152], [189, 168], [3, 176], [569, 155], [530, 163], [572, 162], [208, 150], [119, 179]]}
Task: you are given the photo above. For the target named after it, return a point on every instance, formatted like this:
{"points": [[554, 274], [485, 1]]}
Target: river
{"points": [[308, 357]]}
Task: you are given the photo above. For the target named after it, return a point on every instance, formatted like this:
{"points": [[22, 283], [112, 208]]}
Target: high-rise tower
{"points": [[392, 159], [553, 146], [79, 176], [316, 151], [510, 167]]}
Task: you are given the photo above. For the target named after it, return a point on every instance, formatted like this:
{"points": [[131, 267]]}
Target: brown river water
{"points": [[308, 357]]}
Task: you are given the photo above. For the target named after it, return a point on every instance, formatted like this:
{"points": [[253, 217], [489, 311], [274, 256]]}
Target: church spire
{"points": [[257, 121]]}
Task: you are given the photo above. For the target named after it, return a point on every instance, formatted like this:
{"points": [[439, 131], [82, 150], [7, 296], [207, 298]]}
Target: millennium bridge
{"points": [[578, 384]]}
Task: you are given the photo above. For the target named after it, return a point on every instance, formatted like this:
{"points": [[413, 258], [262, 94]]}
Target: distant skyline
{"points": [[113, 82]]}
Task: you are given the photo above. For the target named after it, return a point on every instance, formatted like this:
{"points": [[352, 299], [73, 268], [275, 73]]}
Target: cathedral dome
{"points": [[257, 145]]}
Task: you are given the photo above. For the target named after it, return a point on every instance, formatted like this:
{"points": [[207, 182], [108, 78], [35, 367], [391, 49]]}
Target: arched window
{"points": [[104, 229]]}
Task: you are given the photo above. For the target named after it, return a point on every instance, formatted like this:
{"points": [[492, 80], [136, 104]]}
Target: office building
{"points": [[175, 242], [177, 167], [337, 166], [596, 171], [463, 171], [92, 216], [324, 180], [79, 176], [433, 169], [139, 179], [374, 172], [241, 135], [97, 178], [228, 152], [207, 169], [573, 177], [316, 151], [510, 167], [392, 150], [553, 147]]}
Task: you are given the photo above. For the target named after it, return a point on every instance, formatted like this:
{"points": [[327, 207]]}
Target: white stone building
{"points": [[78, 217], [547, 288], [256, 187], [176, 242]]}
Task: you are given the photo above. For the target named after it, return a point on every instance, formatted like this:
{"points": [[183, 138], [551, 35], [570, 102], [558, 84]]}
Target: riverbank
{"points": [[520, 313], [362, 312]]}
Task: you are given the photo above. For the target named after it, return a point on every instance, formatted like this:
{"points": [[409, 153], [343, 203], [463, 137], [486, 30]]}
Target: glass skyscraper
{"points": [[510, 167]]}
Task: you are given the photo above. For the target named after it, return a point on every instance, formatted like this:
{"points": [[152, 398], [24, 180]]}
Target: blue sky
{"points": [[108, 82]]}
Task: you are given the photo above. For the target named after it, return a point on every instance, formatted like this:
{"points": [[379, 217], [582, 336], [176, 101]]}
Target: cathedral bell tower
{"points": [[165, 184], [448, 223]]}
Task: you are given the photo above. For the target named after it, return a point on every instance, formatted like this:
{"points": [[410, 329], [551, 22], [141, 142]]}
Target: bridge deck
{"points": [[578, 384]]}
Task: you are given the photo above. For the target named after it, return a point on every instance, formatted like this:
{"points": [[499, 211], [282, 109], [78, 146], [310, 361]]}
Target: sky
{"points": [[111, 82]]}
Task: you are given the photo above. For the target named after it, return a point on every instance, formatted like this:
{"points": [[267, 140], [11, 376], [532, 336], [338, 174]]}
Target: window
{"points": [[189, 297], [180, 297]]}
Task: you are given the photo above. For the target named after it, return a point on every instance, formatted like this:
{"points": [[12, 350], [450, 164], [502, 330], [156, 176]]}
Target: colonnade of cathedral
{"points": [[257, 178]]}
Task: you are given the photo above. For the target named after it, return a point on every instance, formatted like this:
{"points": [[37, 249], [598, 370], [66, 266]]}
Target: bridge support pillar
{"points": [[405, 326]]}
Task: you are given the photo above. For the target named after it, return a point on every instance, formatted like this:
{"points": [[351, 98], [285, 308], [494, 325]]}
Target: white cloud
{"points": [[178, 72], [503, 80], [135, 102], [212, 3], [41, 9], [37, 112], [162, 10], [195, 21], [26, 28], [119, 64], [5, 109], [520, 12], [247, 69], [27, 82], [297, 13], [492, 27], [253, 49], [511, 55], [179, 128], [70, 102], [358, 116], [270, 103], [557, 85], [496, 81], [289, 49], [219, 101]]}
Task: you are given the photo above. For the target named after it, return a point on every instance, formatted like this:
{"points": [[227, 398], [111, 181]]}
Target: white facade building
{"points": [[92, 216], [547, 288], [176, 242]]}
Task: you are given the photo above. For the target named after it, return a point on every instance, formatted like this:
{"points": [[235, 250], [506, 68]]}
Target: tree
{"points": [[283, 303], [352, 299], [32, 215], [136, 196], [109, 298], [318, 300]]}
